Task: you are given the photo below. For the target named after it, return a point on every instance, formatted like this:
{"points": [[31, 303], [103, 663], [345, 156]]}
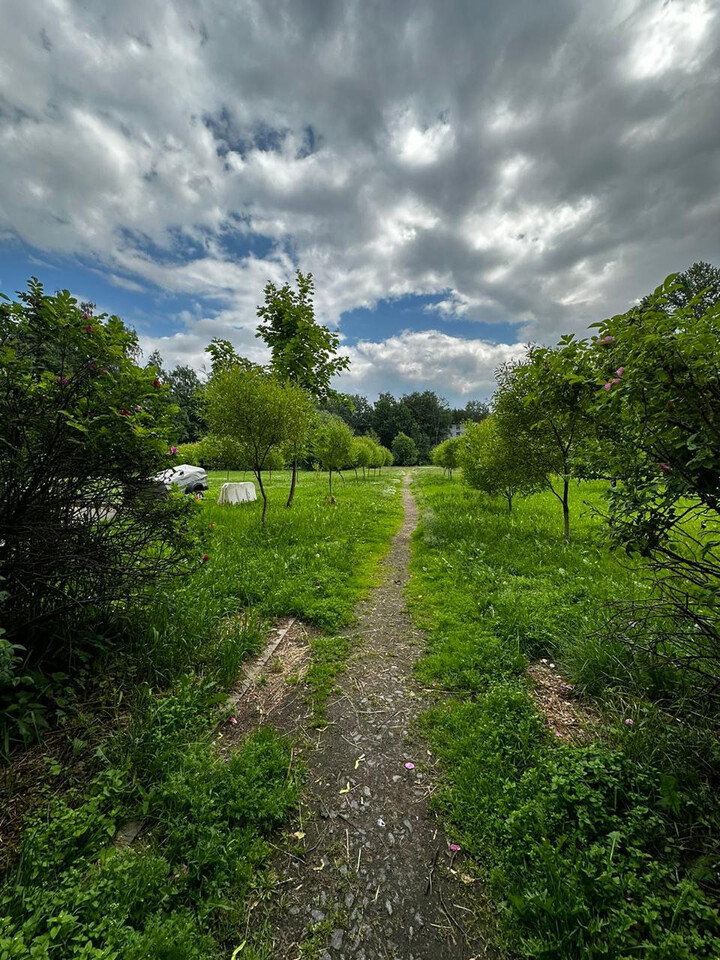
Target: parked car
{"points": [[188, 478]]}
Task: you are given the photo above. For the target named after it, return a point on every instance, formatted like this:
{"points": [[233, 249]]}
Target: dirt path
{"points": [[373, 879]]}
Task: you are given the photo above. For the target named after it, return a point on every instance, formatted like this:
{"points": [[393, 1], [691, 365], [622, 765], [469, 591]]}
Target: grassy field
{"points": [[606, 849], [145, 748]]}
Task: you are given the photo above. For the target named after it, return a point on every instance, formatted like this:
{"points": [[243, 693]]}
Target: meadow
{"points": [[605, 848], [142, 747]]}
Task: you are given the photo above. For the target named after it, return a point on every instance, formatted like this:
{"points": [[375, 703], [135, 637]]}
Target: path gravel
{"points": [[373, 875]]}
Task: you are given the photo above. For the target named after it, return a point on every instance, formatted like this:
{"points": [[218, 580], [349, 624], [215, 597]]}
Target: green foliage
{"points": [[83, 429], [332, 444], [604, 850], [491, 462], [303, 351], [259, 413], [424, 417], [329, 658], [448, 455], [404, 450]]}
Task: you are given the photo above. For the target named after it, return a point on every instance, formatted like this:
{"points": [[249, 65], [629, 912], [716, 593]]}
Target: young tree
{"points": [[83, 429], [491, 462], [332, 444], [361, 453], [260, 413], [447, 455], [404, 450], [303, 351], [541, 405]]}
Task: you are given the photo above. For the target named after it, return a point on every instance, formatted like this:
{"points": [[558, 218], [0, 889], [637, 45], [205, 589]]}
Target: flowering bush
{"points": [[83, 429]]}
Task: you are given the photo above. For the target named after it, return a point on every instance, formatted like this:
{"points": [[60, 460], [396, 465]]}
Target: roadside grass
{"points": [[605, 850], [180, 890]]}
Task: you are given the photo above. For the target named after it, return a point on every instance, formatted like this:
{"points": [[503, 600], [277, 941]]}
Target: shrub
{"points": [[83, 428], [404, 450]]}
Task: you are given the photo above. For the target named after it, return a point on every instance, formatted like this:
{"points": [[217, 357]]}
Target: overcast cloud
{"points": [[537, 163]]}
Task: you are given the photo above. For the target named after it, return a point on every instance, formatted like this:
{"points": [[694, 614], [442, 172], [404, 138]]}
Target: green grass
{"points": [[180, 891], [607, 850]]}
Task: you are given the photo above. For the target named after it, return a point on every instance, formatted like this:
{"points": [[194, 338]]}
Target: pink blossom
{"points": [[607, 386], [124, 413], [87, 316], [63, 380], [89, 328], [232, 720], [455, 847], [620, 371], [665, 467], [138, 408], [629, 722], [206, 557], [409, 766], [607, 339], [173, 449], [557, 733], [156, 383]]}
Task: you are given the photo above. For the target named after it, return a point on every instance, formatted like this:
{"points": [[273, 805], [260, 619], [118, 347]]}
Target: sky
{"points": [[461, 178]]}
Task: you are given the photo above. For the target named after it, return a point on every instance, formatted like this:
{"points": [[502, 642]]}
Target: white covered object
{"points": [[237, 493]]}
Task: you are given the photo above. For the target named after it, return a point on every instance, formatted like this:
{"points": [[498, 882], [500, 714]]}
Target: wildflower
{"points": [[455, 847], [124, 413], [86, 316], [409, 766], [620, 371], [206, 557], [629, 722], [607, 386], [173, 449], [138, 408], [665, 467], [557, 733]]}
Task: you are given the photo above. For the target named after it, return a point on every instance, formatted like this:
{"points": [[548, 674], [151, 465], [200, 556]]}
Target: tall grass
{"points": [[607, 850]]}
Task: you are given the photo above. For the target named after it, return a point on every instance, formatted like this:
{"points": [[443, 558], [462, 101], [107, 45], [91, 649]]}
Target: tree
{"points": [[332, 444], [491, 462], [83, 428], [186, 391], [447, 455], [388, 458], [698, 287], [303, 351], [361, 453], [657, 399], [474, 410], [541, 405], [251, 407], [404, 450]]}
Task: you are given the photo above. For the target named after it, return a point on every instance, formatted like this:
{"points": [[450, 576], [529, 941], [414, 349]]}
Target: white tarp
{"points": [[237, 493]]}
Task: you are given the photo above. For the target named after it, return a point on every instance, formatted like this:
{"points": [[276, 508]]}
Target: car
{"points": [[185, 476]]}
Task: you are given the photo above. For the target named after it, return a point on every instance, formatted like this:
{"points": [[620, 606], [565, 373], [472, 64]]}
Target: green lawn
{"points": [[179, 892], [607, 850]]}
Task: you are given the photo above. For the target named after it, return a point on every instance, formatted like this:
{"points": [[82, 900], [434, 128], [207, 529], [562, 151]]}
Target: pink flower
{"points": [[89, 328], [156, 383], [665, 467], [138, 408], [63, 380], [124, 413], [607, 339], [434, 683], [173, 449], [557, 733], [620, 371], [409, 766], [206, 557], [607, 386], [629, 722], [87, 316], [455, 847]]}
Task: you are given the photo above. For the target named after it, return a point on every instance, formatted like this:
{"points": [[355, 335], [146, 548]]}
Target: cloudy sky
{"points": [[460, 177]]}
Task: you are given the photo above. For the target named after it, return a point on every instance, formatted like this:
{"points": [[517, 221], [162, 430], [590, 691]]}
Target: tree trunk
{"points": [[509, 498], [330, 480], [264, 496], [293, 481], [566, 508]]}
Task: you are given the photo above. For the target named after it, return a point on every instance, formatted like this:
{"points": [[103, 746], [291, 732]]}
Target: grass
{"points": [[606, 850], [179, 892]]}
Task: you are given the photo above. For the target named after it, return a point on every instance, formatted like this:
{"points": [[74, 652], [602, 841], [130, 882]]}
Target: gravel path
{"points": [[373, 875]]}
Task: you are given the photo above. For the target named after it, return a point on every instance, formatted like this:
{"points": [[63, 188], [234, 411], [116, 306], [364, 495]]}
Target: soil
{"points": [[570, 720], [368, 872]]}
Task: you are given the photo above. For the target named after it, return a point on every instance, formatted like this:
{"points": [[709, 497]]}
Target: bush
{"points": [[404, 450], [83, 428]]}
